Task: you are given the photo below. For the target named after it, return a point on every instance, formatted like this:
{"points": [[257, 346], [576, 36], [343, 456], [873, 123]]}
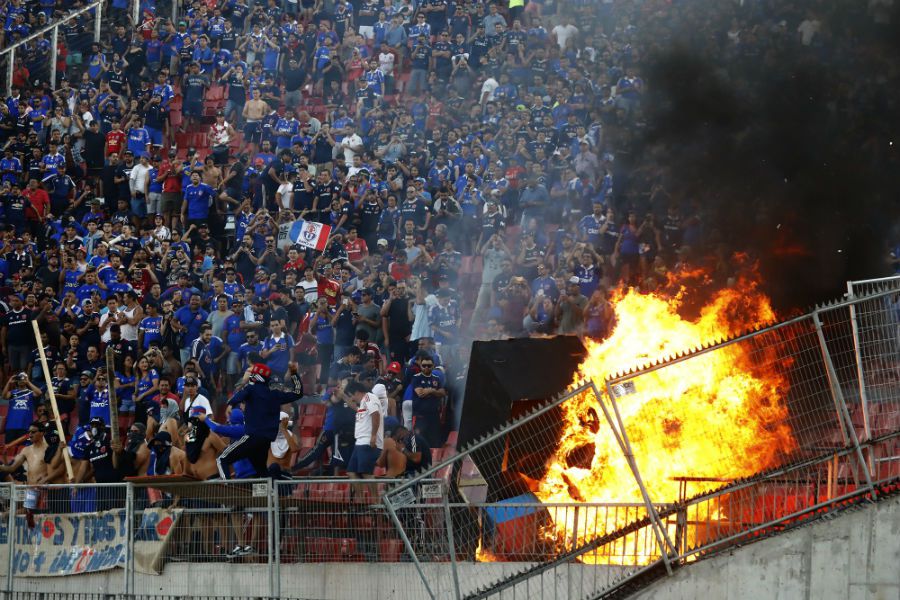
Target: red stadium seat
{"points": [[215, 93], [331, 550], [314, 409], [312, 421]]}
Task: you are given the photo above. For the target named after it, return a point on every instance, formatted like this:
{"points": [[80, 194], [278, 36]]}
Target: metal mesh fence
{"points": [[732, 410], [516, 507], [789, 398], [224, 522], [342, 521]]}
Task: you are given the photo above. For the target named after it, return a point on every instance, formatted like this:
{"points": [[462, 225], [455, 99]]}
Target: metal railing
{"points": [[471, 527], [10, 51], [820, 432]]}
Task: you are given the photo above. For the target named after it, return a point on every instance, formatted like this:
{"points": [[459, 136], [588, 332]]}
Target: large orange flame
{"points": [[719, 415]]}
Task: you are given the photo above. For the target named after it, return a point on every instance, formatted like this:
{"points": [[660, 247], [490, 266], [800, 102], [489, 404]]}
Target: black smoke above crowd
{"points": [[788, 153]]}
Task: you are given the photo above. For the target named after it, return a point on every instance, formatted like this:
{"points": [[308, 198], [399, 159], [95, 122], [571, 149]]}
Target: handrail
{"points": [[11, 50]]}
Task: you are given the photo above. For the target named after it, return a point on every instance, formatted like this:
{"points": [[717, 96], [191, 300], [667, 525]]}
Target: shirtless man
{"points": [[392, 459], [31, 456], [34, 459], [202, 447], [212, 175], [54, 458], [254, 110], [283, 447]]}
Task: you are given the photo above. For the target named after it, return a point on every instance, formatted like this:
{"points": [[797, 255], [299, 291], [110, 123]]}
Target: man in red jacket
{"points": [[38, 200]]}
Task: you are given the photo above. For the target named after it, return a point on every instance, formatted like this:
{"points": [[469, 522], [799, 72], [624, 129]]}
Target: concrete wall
{"points": [[328, 581], [855, 556]]}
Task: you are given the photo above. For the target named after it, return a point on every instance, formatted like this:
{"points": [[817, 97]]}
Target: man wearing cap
{"points": [[262, 409], [392, 380], [192, 400]]}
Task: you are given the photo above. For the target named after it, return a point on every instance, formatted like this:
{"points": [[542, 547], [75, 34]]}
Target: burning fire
{"points": [[718, 415]]}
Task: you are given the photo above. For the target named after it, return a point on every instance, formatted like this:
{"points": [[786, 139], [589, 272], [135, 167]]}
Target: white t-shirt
{"points": [[287, 193], [350, 141], [386, 63], [369, 405], [490, 84], [138, 178], [563, 33], [310, 290], [200, 400]]}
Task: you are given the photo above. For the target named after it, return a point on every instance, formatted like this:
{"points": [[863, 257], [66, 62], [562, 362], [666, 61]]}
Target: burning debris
{"points": [[719, 415]]}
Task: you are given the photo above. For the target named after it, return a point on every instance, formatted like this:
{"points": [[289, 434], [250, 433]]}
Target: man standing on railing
{"points": [[262, 409]]}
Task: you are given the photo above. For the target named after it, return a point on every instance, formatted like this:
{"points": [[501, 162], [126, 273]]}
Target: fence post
{"points": [[448, 519], [840, 405], [270, 539], [129, 536], [276, 589], [11, 541], [662, 537], [857, 353], [409, 547]]}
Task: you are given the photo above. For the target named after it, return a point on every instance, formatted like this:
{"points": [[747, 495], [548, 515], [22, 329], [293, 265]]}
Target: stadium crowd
{"points": [[481, 167]]}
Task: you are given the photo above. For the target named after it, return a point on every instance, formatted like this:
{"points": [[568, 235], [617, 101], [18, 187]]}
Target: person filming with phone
{"points": [[277, 350]]}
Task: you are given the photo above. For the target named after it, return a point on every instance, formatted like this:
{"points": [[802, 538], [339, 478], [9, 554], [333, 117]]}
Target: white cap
{"points": [[380, 391]]}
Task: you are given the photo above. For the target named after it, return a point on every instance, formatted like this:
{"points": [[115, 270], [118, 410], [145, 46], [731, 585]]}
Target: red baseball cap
{"points": [[394, 367]]}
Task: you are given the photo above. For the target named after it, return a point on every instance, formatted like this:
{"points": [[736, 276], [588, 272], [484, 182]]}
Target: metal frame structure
{"points": [[849, 467], [840, 458], [53, 29]]}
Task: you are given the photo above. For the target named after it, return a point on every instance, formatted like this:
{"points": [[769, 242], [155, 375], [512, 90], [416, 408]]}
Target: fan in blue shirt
{"points": [[198, 197]]}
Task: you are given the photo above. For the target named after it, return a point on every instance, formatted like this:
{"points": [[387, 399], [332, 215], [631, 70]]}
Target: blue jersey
{"points": [[51, 164], [192, 321], [155, 186], [428, 405], [79, 443], [589, 226], [150, 326], [21, 409], [246, 350], [234, 335], [198, 198], [138, 138], [125, 394], [100, 405], [445, 319], [216, 347], [146, 382], [278, 360], [11, 168]]}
